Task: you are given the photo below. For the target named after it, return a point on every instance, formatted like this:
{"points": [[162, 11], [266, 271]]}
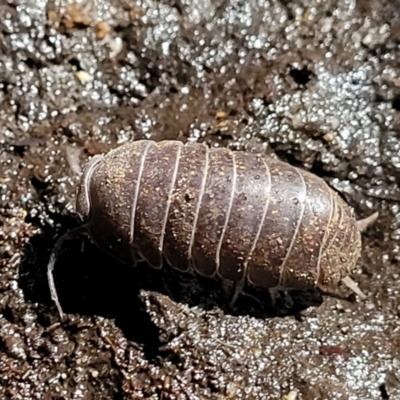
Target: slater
{"points": [[238, 216]]}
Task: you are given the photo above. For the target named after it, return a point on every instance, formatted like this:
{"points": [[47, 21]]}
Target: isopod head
{"points": [[342, 254]]}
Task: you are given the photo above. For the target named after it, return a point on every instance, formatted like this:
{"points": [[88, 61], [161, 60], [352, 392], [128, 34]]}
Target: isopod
{"points": [[239, 216]]}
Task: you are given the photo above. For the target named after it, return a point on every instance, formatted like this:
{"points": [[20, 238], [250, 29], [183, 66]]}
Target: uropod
{"points": [[241, 217]]}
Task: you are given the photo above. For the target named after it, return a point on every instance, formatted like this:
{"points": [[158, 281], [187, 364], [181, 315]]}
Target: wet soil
{"points": [[314, 83]]}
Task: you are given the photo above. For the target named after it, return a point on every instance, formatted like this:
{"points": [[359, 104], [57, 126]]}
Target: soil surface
{"points": [[315, 83]]}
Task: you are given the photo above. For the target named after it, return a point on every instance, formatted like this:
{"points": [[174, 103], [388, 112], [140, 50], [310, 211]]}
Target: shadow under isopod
{"points": [[90, 282]]}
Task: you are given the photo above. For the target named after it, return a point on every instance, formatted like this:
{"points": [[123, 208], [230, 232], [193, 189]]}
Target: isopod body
{"points": [[239, 216]]}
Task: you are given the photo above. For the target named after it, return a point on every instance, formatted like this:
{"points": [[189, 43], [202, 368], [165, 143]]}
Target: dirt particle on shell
{"points": [[102, 29]]}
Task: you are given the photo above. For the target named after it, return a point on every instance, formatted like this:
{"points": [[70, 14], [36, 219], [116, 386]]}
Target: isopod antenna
{"points": [[52, 261], [362, 225]]}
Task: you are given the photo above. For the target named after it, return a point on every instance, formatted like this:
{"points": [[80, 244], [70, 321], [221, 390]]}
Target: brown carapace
{"points": [[238, 216]]}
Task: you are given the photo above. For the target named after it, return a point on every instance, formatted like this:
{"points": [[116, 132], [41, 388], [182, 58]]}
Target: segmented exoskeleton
{"points": [[236, 215]]}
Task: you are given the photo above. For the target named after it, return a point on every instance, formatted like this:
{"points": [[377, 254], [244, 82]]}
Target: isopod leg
{"points": [[353, 286], [363, 224], [286, 300], [243, 293], [227, 286], [238, 289], [232, 290], [273, 292], [50, 266]]}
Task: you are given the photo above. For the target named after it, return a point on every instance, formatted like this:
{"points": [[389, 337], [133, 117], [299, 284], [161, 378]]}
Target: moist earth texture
{"points": [[315, 83]]}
